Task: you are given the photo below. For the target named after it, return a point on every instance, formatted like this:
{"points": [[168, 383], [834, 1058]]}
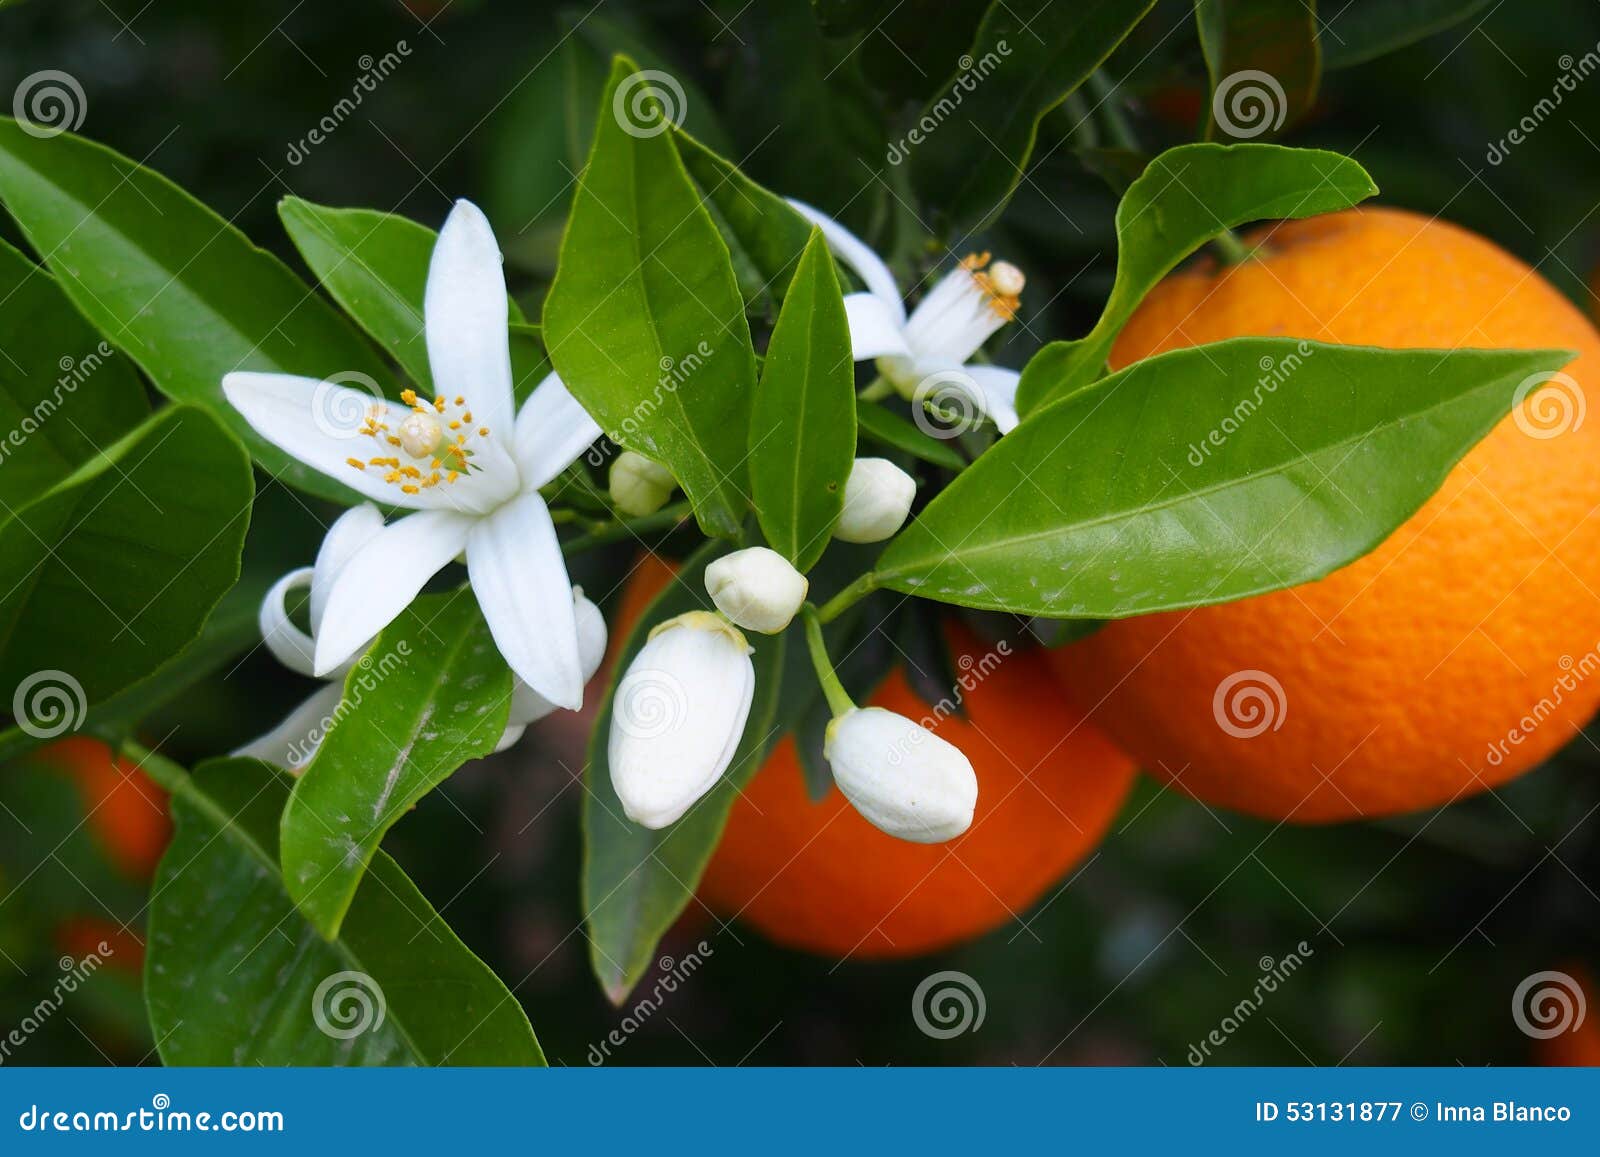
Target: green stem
{"points": [[1230, 249], [1116, 123], [839, 701], [663, 519], [158, 767], [848, 597], [875, 390]]}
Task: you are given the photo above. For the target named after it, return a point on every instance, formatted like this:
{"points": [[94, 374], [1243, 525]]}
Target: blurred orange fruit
{"points": [[1455, 656], [126, 812]]}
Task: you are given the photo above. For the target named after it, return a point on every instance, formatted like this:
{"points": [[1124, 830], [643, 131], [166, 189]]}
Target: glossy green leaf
{"points": [[1205, 475], [977, 130], [645, 322], [1187, 196], [64, 392], [891, 429], [803, 417], [429, 695], [114, 570], [182, 292], [1264, 61], [637, 881], [1363, 30], [236, 976]]}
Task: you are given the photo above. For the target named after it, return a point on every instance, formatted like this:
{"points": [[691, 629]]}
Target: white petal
{"points": [[508, 737], [289, 644], [514, 561], [349, 533], [855, 253], [465, 313], [294, 741], [874, 330], [527, 705], [319, 423], [999, 400], [553, 429], [382, 578], [678, 715]]}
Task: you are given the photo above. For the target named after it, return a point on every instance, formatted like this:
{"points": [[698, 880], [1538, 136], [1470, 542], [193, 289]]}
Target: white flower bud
{"points": [[757, 588], [901, 777], [678, 715], [877, 498], [640, 486], [527, 705]]}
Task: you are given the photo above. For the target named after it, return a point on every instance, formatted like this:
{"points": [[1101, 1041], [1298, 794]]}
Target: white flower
{"points": [[757, 588], [877, 498], [466, 462], [296, 739], [948, 326], [678, 715], [902, 778], [639, 485]]}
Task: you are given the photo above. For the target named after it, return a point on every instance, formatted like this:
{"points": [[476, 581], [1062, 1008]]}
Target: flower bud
{"points": [[678, 715], [756, 588], [877, 498], [527, 705], [640, 486], [901, 777]]}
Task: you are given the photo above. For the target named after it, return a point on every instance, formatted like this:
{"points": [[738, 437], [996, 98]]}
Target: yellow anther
{"points": [[409, 397], [357, 463], [408, 489]]}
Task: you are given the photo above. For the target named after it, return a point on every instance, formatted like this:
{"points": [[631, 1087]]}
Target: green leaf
{"points": [[645, 322], [761, 230], [429, 695], [236, 976], [1185, 197], [375, 265], [891, 429], [979, 127], [803, 417], [637, 881], [1264, 61], [113, 572], [182, 292], [1193, 478], [48, 353], [1364, 30]]}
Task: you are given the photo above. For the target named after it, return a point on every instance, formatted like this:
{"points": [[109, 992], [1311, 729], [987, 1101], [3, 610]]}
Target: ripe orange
{"points": [[819, 877], [126, 812], [1459, 653]]}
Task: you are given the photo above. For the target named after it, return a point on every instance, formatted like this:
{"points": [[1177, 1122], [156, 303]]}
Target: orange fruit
{"points": [[817, 876], [82, 937], [126, 812], [1457, 654], [1579, 1044]]}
